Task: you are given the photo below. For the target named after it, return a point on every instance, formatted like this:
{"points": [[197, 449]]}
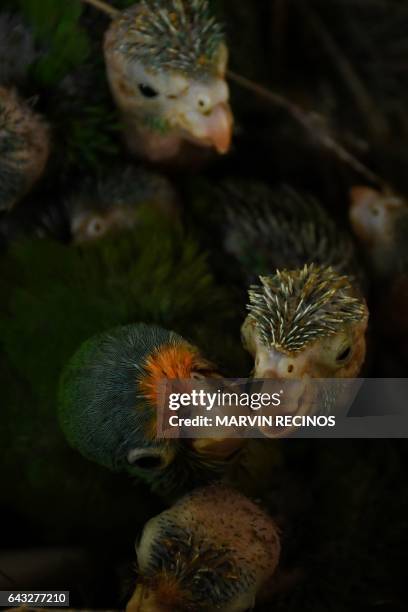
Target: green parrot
{"points": [[54, 297]]}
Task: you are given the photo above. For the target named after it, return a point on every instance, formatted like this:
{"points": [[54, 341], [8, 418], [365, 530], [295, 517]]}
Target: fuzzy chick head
{"points": [[108, 398], [380, 222], [24, 148], [114, 202], [373, 215], [166, 63], [213, 550], [306, 322]]}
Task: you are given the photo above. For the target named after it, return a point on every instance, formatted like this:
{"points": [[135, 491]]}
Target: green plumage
{"points": [[53, 298]]}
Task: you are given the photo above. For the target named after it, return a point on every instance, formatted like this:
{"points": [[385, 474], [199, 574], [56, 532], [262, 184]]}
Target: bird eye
{"points": [[375, 211], [96, 227], [145, 460], [344, 354], [147, 91]]}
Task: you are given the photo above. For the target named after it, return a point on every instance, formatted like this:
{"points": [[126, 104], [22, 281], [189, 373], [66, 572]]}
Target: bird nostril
{"points": [[204, 104]]}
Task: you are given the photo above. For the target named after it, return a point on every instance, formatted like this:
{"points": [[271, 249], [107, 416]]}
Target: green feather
{"points": [[53, 298]]}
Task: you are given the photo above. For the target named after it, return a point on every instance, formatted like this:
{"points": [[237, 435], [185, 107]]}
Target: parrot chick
{"points": [[24, 148], [109, 404], [308, 322], [380, 223], [114, 203], [213, 550], [307, 317], [166, 64]]}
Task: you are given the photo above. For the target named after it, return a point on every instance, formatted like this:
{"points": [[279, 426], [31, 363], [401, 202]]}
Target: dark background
{"points": [[342, 504]]}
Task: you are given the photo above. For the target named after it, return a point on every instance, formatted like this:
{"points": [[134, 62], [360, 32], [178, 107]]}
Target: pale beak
{"points": [[217, 449], [219, 128], [213, 129]]}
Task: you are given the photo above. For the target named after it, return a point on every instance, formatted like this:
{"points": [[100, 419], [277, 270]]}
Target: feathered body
{"points": [[270, 230], [166, 64], [213, 550], [24, 147]]}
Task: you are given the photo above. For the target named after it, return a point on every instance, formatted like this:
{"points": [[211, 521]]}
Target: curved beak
{"points": [[213, 129], [219, 128], [217, 449]]}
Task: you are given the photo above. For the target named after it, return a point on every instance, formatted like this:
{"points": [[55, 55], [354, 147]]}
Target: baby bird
{"points": [[113, 203], [380, 223], [166, 64], [109, 403], [24, 148], [307, 316], [214, 550], [24, 135]]}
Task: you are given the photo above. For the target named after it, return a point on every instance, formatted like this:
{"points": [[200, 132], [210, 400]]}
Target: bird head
{"points": [[306, 323], [24, 148], [110, 396], [166, 64], [213, 550], [114, 203], [373, 215]]}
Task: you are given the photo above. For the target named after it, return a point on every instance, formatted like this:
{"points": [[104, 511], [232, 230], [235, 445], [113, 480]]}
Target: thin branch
{"points": [[104, 7], [363, 100], [311, 123]]}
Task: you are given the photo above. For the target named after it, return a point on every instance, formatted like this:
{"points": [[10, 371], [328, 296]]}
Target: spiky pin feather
{"points": [[294, 308], [173, 35], [166, 64], [270, 229], [307, 316], [24, 148], [213, 550]]}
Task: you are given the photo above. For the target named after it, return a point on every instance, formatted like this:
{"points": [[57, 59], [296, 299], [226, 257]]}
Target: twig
{"points": [[309, 122], [104, 7], [306, 120], [363, 100]]}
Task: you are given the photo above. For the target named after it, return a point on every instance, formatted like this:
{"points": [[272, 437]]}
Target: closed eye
{"points": [[344, 355]]}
